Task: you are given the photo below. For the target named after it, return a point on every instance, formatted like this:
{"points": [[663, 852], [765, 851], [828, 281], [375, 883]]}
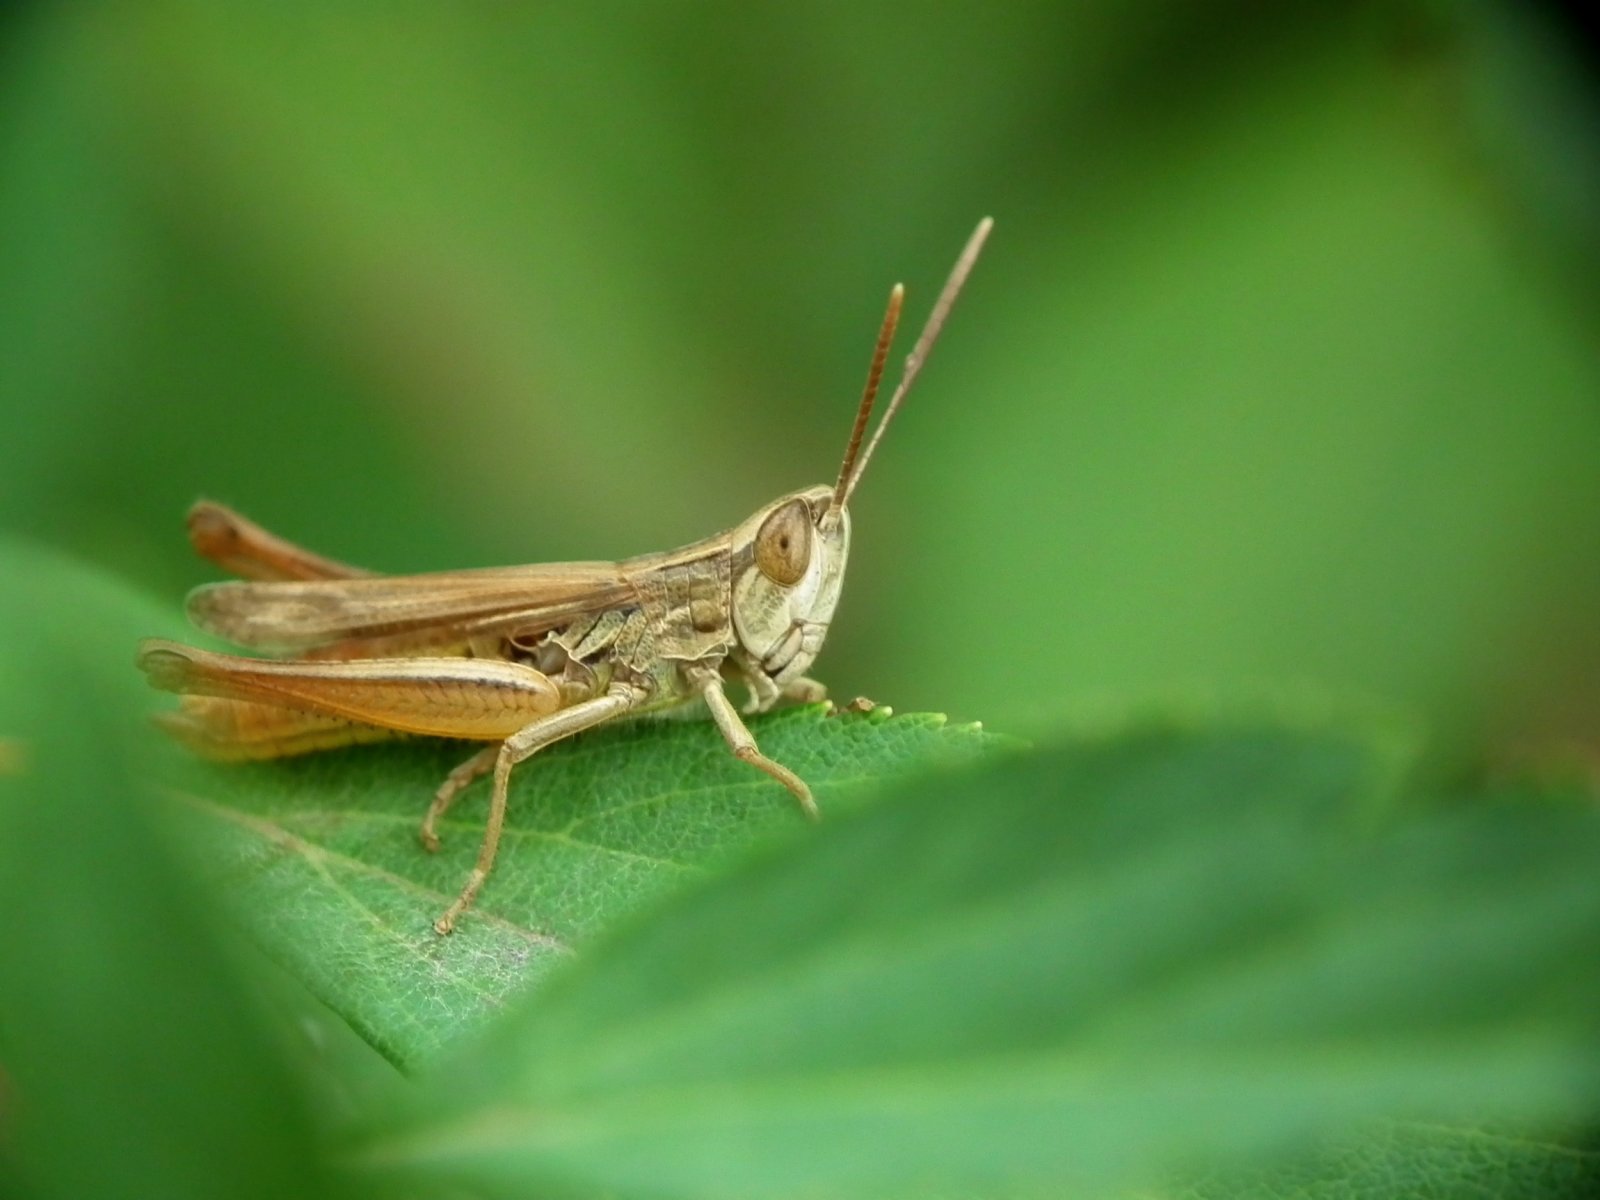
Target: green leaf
{"points": [[1409, 1159], [133, 1059], [320, 855], [1090, 969]]}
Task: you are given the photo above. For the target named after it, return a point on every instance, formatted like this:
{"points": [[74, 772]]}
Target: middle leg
{"points": [[454, 784]]}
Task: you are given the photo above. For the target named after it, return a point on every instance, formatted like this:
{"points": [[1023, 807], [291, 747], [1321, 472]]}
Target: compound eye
{"points": [[783, 544]]}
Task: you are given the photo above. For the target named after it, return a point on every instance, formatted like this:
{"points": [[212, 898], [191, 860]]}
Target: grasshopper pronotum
{"points": [[521, 657]]}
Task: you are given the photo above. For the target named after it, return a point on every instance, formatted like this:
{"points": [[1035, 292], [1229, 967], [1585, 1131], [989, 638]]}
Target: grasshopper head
{"points": [[788, 567], [789, 556]]}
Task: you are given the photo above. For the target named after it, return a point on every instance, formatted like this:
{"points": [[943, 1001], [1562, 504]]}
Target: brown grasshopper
{"points": [[521, 657]]}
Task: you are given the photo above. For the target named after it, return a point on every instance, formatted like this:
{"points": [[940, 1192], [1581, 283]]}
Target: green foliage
{"points": [[1195, 961], [1391, 1159], [1278, 376], [322, 860], [1075, 973]]}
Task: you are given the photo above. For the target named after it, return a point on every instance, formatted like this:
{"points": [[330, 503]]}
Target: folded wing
{"points": [[457, 605]]}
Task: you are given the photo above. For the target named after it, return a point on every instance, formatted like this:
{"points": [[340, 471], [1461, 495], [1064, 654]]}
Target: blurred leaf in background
{"points": [[1280, 370]]}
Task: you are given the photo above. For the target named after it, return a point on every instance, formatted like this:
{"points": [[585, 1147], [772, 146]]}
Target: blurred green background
{"points": [[1280, 372]]}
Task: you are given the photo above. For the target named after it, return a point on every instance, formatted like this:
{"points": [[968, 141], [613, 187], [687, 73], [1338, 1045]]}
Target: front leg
{"points": [[805, 690], [765, 695], [763, 692], [742, 742]]}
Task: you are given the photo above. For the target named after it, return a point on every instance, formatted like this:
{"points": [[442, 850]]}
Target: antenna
{"points": [[914, 360], [880, 355]]}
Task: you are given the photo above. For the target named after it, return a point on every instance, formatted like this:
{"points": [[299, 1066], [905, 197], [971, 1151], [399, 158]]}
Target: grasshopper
{"points": [[522, 657]]}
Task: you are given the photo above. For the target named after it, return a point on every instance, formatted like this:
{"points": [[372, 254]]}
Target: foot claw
{"points": [[859, 705]]}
